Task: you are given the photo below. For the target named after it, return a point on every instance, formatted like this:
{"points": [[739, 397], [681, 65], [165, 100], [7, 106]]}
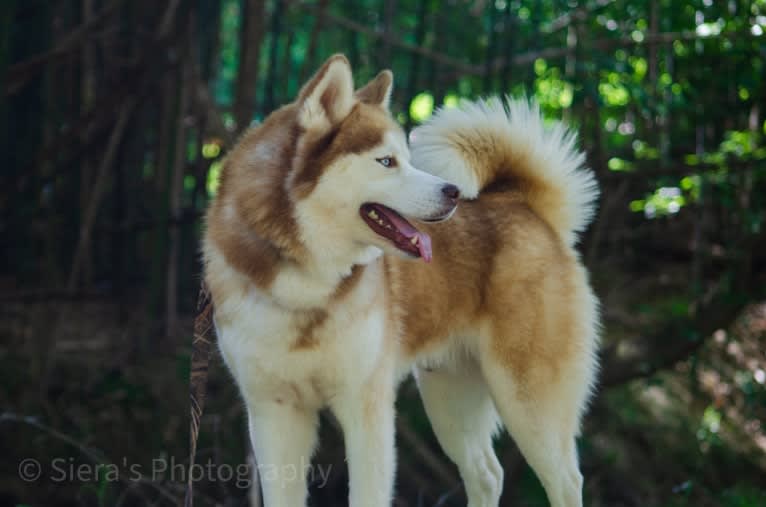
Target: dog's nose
{"points": [[451, 191]]}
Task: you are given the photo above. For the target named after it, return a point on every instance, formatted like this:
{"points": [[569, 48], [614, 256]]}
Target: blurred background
{"points": [[114, 118]]}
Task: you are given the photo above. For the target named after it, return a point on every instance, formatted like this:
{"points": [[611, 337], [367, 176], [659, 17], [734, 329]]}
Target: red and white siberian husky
{"points": [[338, 263]]}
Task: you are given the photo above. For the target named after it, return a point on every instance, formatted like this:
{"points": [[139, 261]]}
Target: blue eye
{"points": [[387, 161]]}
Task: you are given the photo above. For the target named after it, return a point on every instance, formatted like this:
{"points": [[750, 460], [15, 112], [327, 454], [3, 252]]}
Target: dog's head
{"points": [[356, 172], [330, 174]]}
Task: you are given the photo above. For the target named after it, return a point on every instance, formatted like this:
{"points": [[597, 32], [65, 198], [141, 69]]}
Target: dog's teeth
{"points": [[414, 240], [373, 215], [380, 222]]}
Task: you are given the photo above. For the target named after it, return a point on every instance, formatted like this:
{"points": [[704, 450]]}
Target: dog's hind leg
{"points": [[542, 412], [283, 438], [462, 415]]}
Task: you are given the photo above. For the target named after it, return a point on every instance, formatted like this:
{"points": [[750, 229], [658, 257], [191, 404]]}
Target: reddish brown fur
{"points": [[312, 319], [495, 262], [263, 233], [255, 190]]}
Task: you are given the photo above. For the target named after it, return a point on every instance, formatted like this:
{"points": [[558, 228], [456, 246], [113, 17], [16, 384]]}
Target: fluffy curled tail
{"points": [[488, 141]]}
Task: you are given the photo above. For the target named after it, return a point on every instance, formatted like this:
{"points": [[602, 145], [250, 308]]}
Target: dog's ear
{"points": [[328, 97], [377, 91]]}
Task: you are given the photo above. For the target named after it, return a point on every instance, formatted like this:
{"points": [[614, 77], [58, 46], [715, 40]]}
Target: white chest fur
{"points": [[303, 357]]}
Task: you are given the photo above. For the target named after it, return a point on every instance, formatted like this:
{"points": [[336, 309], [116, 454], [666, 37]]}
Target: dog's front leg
{"points": [[283, 438], [367, 419]]}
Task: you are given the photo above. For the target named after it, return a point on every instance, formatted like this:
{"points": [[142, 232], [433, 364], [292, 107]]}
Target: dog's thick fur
{"points": [[314, 309]]}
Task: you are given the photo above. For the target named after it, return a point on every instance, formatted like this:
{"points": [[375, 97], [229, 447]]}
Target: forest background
{"points": [[115, 116]]}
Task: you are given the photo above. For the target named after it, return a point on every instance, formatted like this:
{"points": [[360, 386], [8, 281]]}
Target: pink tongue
{"points": [[424, 245], [403, 226]]}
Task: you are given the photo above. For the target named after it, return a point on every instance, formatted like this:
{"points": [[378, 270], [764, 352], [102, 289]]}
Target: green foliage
{"points": [[663, 201], [213, 177], [553, 92], [709, 426], [421, 107], [743, 496]]}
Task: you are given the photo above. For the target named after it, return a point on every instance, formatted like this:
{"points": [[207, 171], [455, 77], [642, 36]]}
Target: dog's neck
{"points": [[311, 283], [328, 257]]}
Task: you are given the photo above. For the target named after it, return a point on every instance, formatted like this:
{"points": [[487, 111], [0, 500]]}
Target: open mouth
{"points": [[391, 225]]}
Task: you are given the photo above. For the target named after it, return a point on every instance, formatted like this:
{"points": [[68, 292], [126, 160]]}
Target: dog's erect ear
{"points": [[328, 97], [377, 91]]}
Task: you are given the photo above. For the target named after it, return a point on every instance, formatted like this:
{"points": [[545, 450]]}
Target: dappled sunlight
{"points": [[712, 404]]}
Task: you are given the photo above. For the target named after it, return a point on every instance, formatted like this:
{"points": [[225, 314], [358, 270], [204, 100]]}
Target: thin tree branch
{"points": [[573, 16], [99, 188], [166, 27], [428, 457], [208, 109], [614, 43], [396, 41], [20, 73]]}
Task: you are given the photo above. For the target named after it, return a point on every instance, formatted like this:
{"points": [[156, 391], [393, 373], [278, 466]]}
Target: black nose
{"points": [[451, 191]]}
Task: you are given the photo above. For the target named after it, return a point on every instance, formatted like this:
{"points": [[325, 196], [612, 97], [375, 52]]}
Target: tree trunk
{"points": [[412, 79], [87, 96], [490, 54], [250, 39], [276, 33], [310, 61], [176, 193]]}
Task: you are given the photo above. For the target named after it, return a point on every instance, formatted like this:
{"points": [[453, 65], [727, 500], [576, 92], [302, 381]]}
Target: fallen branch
{"points": [[94, 455]]}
